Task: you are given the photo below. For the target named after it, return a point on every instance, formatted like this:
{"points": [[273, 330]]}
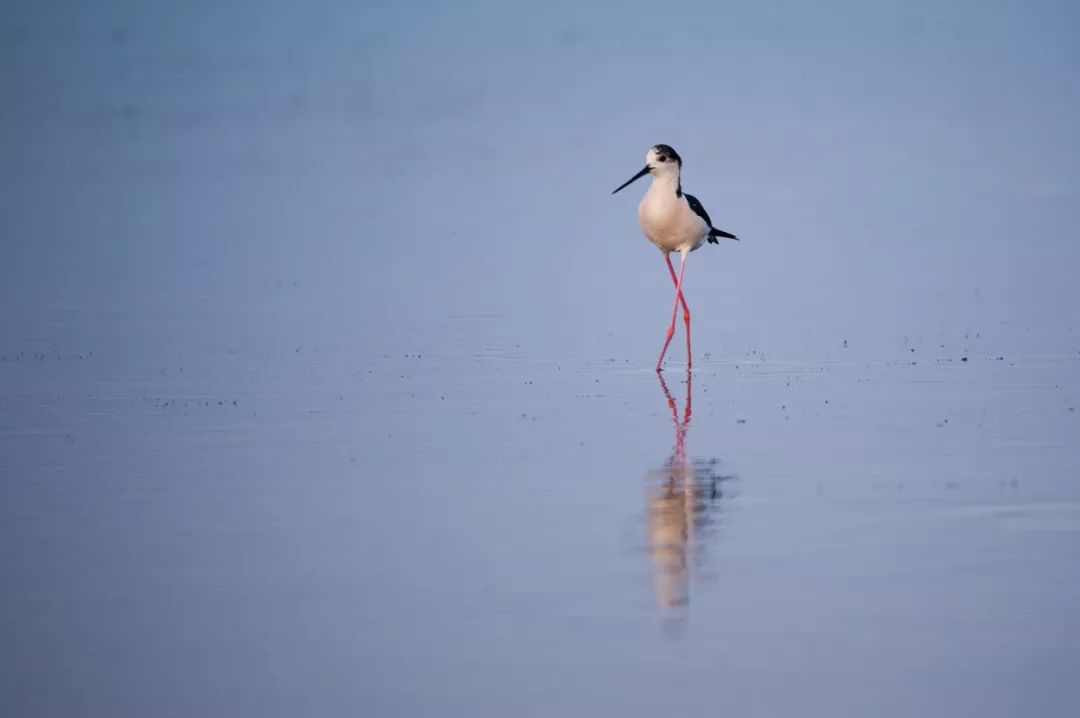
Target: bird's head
{"points": [[660, 161]]}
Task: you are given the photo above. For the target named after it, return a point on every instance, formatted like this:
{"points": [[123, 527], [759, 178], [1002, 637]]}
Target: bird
{"points": [[675, 222]]}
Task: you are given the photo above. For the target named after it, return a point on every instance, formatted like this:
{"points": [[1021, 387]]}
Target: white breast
{"points": [[667, 220]]}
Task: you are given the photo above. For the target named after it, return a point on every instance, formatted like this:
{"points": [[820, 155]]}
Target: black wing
{"points": [[698, 209], [700, 212]]}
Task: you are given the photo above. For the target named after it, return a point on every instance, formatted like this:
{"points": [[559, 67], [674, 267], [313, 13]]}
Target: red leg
{"points": [[674, 310], [685, 310]]}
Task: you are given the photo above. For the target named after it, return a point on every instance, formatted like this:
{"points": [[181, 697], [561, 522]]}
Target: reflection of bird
{"points": [[680, 501], [675, 222]]}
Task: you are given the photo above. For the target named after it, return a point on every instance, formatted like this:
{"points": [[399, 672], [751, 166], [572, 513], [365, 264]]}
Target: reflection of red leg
{"points": [[689, 397], [685, 309], [678, 460], [674, 310], [670, 401], [680, 426]]}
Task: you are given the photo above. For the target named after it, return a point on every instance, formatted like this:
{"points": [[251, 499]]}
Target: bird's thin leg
{"points": [[674, 310], [685, 309]]}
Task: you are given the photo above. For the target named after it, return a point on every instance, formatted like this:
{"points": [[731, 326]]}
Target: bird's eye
{"points": [[662, 158]]}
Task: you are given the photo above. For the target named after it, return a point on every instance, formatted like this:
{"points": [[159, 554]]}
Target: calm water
{"points": [[326, 360], [225, 524]]}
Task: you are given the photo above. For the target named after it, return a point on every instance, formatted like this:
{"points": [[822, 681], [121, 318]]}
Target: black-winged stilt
{"points": [[675, 222]]}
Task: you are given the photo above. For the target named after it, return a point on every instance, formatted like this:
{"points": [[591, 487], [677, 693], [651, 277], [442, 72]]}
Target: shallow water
{"points": [[272, 528]]}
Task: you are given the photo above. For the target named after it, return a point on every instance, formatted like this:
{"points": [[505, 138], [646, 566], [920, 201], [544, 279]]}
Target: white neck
{"points": [[668, 182]]}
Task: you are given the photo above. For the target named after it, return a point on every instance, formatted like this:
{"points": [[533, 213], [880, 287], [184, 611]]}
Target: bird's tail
{"points": [[714, 233]]}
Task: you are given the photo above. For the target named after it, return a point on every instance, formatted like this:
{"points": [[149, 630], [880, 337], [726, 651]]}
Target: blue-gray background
{"points": [[890, 165], [274, 203]]}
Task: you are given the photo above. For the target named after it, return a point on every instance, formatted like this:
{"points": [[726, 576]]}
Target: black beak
{"points": [[644, 171]]}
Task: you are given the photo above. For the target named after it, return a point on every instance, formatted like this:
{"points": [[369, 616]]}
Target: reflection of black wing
{"points": [[700, 212]]}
